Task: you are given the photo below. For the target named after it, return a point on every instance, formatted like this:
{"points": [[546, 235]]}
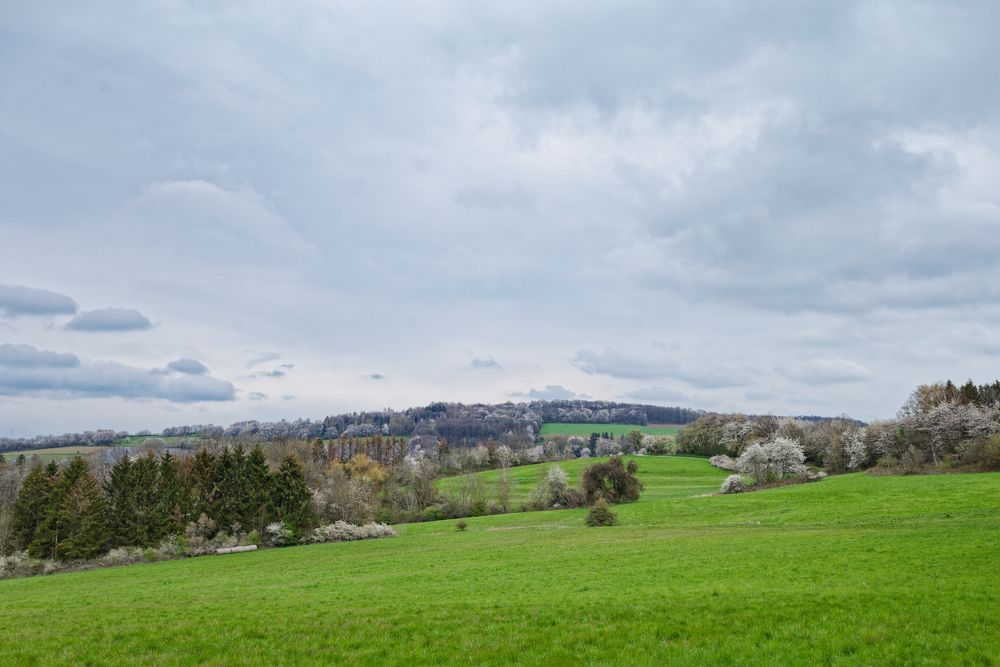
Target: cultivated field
{"points": [[56, 453], [584, 430], [853, 570]]}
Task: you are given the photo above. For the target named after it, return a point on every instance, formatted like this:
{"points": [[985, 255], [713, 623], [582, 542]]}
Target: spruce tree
{"points": [[170, 497], [225, 510], [149, 521], [291, 498], [122, 519], [203, 489], [31, 505], [83, 524], [47, 538], [258, 480]]}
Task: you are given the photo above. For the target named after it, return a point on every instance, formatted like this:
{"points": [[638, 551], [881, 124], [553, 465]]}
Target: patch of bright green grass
{"points": [[584, 430], [663, 476], [852, 570]]}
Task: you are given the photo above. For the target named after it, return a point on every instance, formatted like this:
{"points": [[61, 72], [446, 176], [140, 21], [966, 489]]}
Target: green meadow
{"points": [[584, 430], [853, 570]]}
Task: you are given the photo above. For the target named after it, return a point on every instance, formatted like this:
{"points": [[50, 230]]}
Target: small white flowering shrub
{"points": [[341, 531], [722, 462], [279, 535], [733, 484]]}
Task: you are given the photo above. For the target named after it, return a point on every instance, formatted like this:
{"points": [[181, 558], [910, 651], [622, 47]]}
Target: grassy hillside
{"points": [[584, 430], [664, 477], [855, 569]]}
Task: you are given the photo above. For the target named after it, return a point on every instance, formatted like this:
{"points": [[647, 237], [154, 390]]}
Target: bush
{"points": [[614, 481], [722, 462], [341, 531], [151, 555], [280, 535], [600, 514], [251, 538], [461, 525], [772, 461], [733, 484]]}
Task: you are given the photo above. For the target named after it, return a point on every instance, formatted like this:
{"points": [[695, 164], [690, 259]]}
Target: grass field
{"points": [[853, 570], [664, 477], [584, 430], [56, 453]]}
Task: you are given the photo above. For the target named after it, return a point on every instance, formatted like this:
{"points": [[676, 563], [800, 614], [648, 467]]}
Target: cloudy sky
{"points": [[219, 211]]}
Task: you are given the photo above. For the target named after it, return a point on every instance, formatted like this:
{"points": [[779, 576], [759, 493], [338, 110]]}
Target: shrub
{"points": [[614, 481], [431, 513], [280, 535], [772, 460], [151, 555], [722, 462], [600, 514], [461, 525], [341, 531], [733, 484], [253, 537]]}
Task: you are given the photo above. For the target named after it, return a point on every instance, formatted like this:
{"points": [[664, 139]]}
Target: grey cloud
{"points": [[551, 392], [654, 363], [26, 356], [660, 394], [19, 300], [270, 374], [263, 358], [189, 366], [375, 376], [486, 363], [257, 396], [110, 319], [824, 371], [54, 374], [288, 397], [514, 197]]}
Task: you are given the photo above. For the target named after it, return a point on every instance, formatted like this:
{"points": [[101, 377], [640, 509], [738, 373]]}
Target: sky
{"points": [[220, 211]]}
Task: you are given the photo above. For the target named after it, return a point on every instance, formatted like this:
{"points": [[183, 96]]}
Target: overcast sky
{"points": [[220, 211]]}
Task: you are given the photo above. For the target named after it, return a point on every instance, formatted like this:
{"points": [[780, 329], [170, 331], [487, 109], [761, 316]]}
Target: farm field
{"points": [[664, 477], [853, 570], [56, 453], [584, 430]]}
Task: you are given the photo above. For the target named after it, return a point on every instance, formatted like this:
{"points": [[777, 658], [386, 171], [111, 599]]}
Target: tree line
{"points": [[66, 514]]}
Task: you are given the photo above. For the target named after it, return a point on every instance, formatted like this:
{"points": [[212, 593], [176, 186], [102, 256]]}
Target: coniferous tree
{"points": [[47, 538], [203, 489], [123, 522], [83, 524], [170, 496], [225, 509], [291, 498], [149, 520], [259, 491], [31, 504]]}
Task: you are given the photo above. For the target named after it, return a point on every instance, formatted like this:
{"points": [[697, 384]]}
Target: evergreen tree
{"points": [[291, 498], [123, 522], [149, 520], [83, 524], [442, 450], [47, 538], [170, 496], [31, 504], [225, 509], [203, 489], [258, 480]]}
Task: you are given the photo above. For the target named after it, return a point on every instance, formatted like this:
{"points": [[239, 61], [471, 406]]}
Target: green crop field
{"points": [[664, 477], [852, 570], [57, 453], [585, 430]]}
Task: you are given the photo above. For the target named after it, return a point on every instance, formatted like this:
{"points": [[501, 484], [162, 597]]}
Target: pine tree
{"points": [[225, 509], [47, 538], [203, 489], [149, 524], [442, 451], [31, 505], [291, 498], [82, 520], [258, 479], [123, 521], [170, 497]]}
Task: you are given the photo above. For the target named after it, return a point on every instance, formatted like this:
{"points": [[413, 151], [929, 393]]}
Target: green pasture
{"points": [[584, 430], [853, 570]]}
